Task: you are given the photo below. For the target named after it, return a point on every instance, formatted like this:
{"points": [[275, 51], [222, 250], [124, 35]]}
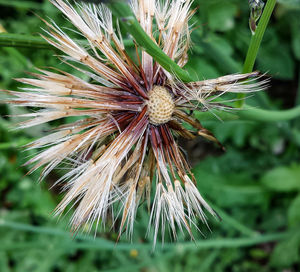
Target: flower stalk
{"points": [[25, 41], [86, 242], [249, 113], [255, 43]]}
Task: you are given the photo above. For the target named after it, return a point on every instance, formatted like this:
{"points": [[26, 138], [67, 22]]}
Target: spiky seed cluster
{"points": [[160, 105], [129, 114]]}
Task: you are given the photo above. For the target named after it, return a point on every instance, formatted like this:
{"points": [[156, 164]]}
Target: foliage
{"points": [[254, 185]]}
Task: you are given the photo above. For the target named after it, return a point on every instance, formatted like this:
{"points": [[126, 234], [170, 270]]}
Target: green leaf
{"points": [[283, 179], [4, 262], [221, 16], [201, 68], [293, 4], [286, 252], [294, 212], [221, 52], [229, 190], [281, 66], [295, 26]]}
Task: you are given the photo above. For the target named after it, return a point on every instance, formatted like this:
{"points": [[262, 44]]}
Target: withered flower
{"points": [[132, 111]]}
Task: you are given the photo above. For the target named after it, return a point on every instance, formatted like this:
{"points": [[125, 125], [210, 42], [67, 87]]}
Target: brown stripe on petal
{"points": [[210, 136], [158, 137], [121, 50], [183, 116], [153, 137], [167, 151], [69, 47], [141, 67], [127, 73], [175, 152], [74, 85], [177, 127], [166, 140]]}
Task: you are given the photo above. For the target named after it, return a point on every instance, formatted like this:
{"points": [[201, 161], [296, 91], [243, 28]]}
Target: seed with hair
{"points": [[160, 105]]}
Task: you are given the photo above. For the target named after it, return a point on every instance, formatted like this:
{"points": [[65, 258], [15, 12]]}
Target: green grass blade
{"points": [[255, 43], [249, 113], [22, 4], [21, 40], [29, 41], [88, 242]]}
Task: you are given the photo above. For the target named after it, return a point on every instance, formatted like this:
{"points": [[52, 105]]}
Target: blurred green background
{"points": [[254, 185]]}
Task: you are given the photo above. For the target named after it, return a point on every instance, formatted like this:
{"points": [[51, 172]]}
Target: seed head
{"points": [[160, 105], [123, 147]]}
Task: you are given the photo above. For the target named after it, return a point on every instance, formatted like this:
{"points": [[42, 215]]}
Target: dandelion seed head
{"points": [[124, 149]]}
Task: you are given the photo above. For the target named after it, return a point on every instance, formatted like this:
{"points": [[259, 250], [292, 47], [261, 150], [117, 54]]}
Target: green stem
{"points": [[20, 40], [235, 242], [88, 242], [249, 113], [256, 42], [132, 26], [29, 41], [254, 114], [258, 36], [21, 4]]}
